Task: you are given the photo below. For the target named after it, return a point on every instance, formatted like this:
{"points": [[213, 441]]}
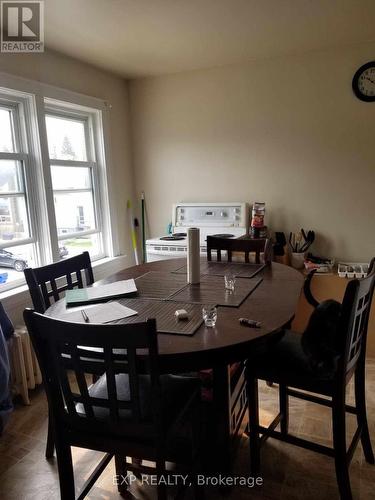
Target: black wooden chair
{"points": [[49, 282], [246, 246], [286, 364], [131, 411]]}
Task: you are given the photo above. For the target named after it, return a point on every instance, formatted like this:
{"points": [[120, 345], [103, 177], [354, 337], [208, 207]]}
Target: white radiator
{"points": [[25, 371]]}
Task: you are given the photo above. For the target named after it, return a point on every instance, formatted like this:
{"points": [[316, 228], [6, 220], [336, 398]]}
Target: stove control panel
{"points": [[211, 215]]}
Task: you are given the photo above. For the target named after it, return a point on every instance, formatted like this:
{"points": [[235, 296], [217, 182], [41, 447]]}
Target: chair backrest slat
{"points": [[111, 384], [82, 383], [65, 386], [245, 246], [69, 281], [134, 384], [51, 281], [79, 279], [356, 308], [63, 350], [44, 298], [55, 292]]}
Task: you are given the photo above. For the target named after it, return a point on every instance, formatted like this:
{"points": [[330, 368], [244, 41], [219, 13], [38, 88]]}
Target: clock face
{"points": [[364, 82]]}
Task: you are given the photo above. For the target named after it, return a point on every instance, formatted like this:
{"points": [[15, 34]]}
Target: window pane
{"points": [[74, 212], [66, 138], [14, 223], [13, 260], [71, 177], [6, 131], [10, 176], [75, 246]]}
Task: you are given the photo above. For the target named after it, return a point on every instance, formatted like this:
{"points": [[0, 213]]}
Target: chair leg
{"points": [[65, 468], [138, 463], [50, 447], [160, 470], [360, 402], [196, 449], [339, 445], [252, 394], [121, 473], [284, 408]]}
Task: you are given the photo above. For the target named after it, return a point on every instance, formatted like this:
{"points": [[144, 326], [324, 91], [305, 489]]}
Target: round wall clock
{"points": [[364, 82]]}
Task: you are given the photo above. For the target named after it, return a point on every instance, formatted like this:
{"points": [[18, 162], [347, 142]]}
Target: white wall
{"points": [[287, 131]]}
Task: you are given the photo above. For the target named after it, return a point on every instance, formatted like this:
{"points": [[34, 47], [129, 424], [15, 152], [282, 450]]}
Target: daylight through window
{"points": [[48, 211]]}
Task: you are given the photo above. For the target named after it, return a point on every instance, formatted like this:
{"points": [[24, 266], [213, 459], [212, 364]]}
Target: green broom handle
{"points": [[143, 227]]}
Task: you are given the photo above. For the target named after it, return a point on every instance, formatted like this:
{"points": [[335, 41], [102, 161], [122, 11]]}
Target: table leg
{"points": [[221, 417]]}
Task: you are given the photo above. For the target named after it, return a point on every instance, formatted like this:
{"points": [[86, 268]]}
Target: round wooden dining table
{"points": [[273, 303]]}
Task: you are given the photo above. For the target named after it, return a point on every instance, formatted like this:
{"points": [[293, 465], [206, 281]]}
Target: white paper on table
{"points": [[115, 288], [99, 313]]}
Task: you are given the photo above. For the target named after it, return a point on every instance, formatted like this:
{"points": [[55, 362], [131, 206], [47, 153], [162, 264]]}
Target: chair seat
{"points": [[285, 362], [177, 391]]}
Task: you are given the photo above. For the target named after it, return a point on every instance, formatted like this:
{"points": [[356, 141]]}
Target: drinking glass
{"points": [[209, 314], [229, 281]]}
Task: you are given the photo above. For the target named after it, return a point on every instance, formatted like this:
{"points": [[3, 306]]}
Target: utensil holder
{"points": [[297, 260]]}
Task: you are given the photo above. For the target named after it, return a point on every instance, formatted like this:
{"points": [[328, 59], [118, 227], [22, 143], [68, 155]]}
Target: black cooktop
{"points": [[182, 236], [224, 235], [174, 237]]}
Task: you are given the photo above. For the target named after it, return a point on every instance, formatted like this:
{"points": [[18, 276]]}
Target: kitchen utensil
{"points": [[292, 242], [309, 240], [297, 260]]}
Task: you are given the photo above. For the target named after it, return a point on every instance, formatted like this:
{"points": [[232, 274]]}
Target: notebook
{"points": [[101, 293]]}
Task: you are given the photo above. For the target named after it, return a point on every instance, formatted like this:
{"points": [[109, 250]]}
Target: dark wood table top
{"points": [[273, 303]]}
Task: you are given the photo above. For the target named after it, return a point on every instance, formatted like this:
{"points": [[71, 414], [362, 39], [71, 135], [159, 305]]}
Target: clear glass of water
{"points": [[209, 314], [229, 281]]}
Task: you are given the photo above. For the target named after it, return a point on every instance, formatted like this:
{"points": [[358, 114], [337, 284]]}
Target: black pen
{"points": [[85, 317], [251, 323]]}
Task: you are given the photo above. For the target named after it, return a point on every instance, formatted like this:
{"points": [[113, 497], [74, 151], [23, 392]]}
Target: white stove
{"points": [[229, 220]]}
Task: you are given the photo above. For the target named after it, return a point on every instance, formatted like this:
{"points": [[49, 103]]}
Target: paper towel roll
{"points": [[193, 256]]}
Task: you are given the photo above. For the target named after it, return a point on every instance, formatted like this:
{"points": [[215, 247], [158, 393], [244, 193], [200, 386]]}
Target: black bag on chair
{"points": [[321, 341]]}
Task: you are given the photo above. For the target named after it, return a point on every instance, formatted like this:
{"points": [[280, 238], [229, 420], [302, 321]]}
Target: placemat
{"points": [[240, 270], [159, 285], [211, 291], [163, 312]]}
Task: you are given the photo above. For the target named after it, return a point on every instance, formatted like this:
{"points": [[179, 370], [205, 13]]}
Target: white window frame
{"points": [[33, 100], [19, 155], [28, 154], [91, 118]]}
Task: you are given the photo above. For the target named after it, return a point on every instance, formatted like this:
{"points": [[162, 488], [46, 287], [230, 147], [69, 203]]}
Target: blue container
{"points": [[3, 277]]}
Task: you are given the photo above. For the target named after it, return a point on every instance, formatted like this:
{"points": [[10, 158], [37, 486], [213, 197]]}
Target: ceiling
{"points": [[136, 38]]}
